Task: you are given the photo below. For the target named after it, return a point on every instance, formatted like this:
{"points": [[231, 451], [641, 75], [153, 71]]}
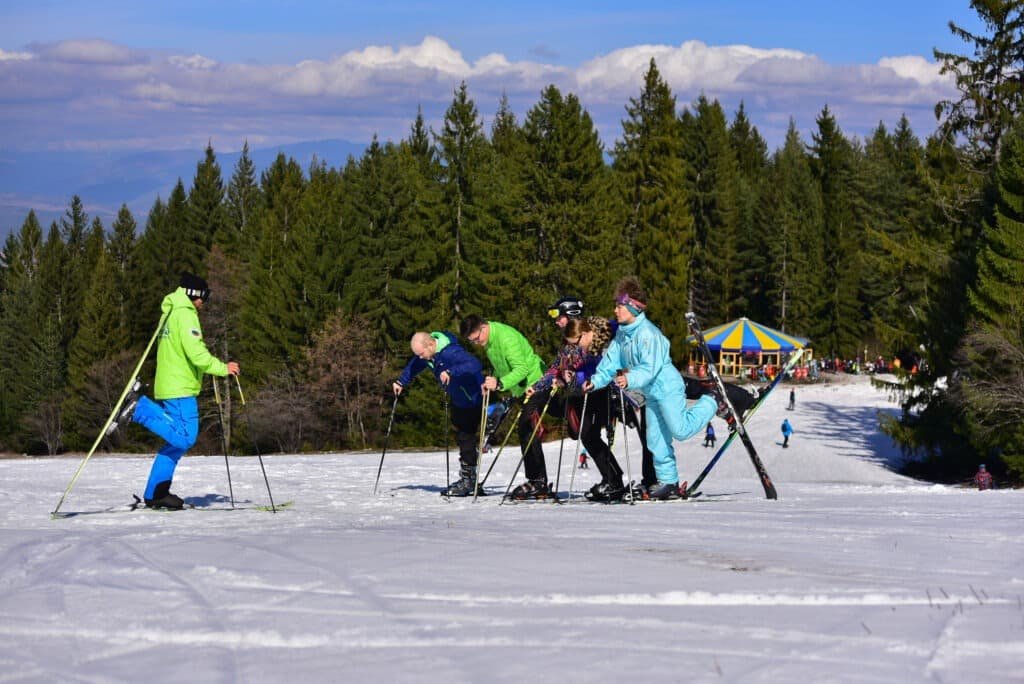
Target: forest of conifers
{"points": [[320, 275]]}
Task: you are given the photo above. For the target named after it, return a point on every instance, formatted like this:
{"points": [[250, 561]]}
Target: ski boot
{"points": [[131, 400], [664, 491], [532, 489], [465, 485], [605, 492], [162, 498]]}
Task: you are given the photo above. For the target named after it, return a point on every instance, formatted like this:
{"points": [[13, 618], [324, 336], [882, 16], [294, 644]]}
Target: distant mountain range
{"points": [[46, 181]]}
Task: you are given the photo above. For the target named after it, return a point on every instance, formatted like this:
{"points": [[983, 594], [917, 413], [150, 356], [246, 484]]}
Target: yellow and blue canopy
{"points": [[744, 335]]}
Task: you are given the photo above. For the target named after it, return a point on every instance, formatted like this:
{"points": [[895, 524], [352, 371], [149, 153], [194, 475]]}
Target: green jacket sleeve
{"points": [[516, 365]]}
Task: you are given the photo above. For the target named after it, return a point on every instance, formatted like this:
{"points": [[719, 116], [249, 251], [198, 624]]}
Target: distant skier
{"points": [[181, 360], [792, 399], [709, 436], [787, 430], [983, 478], [460, 374]]}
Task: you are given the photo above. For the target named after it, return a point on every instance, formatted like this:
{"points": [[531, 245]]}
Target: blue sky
{"points": [[120, 75]]}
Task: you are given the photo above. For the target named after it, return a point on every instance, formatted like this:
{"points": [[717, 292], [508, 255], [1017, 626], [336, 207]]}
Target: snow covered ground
{"points": [[854, 575]]}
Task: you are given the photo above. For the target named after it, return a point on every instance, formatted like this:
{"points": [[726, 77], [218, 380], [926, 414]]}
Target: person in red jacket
{"points": [[983, 478]]}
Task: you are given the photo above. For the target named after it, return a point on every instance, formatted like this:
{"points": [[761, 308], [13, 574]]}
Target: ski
{"points": [[139, 505], [698, 333], [790, 364]]}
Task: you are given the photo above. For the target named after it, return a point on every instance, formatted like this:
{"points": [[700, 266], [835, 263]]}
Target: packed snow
{"points": [[855, 574]]}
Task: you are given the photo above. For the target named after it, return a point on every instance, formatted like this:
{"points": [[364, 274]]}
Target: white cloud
{"points": [[193, 62], [90, 51], [916, 68], [13, 56], [378, 88]]}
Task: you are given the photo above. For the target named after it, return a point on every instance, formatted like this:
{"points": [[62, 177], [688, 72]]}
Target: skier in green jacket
{"points": [[181, 360], [516, 367]]}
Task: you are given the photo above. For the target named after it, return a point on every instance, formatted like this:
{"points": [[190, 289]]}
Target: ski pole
{"points": [[625, 442], [508, 435], [255, 444], [447, 453], [579, 441], [692, 489], [486, 400], [561, 448], [529, 443], [387, 438], [110, 419], [223, 439]]}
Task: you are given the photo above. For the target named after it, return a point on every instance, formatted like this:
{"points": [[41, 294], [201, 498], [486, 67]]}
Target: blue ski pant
{"points": [[672, 419], [176, 421]]}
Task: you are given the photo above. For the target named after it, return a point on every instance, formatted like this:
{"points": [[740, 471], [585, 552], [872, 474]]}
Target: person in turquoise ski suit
{"points": [[642, 352], [181, 360]]}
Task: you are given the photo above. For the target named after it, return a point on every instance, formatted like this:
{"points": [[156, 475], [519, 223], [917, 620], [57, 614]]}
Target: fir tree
{"points": [[658, 231], [274, 316], [567, 218], [206, 211], [712, 184], [464, 240], [990, 83], [75, 267], [242, 202], [794, 225], [20, 264], [754, 267], [833, 164], [100, 337]]}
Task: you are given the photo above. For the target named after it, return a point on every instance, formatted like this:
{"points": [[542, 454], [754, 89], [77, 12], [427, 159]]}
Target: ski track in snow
{"points": [[854, 575]]}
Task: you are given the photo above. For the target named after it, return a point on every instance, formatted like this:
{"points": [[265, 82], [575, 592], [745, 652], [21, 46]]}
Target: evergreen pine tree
{"points": [[712, 184], [206, 211], [101, 337], [833, 165], [794, 225], [754, 267], [274, 317], [995, 346], [466, 233], [567, 217], [20, 263], [242, 201], [658, 231]]}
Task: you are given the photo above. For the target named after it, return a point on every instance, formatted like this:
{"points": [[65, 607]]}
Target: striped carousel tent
{"points": [[743, 343], [745, 336]]}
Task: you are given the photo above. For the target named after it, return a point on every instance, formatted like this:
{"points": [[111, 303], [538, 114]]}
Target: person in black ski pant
{"points": [[460, 374], [569, 308], [590, 336]]}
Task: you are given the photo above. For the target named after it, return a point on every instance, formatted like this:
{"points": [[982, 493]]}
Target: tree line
{"points": [[321, 274]]}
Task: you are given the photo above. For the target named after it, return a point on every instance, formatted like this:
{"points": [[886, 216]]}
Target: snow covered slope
{"points": [[854, 575]]}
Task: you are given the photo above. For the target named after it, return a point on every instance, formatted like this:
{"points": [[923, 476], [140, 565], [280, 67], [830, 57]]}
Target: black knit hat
{"points": [[195, 287]]}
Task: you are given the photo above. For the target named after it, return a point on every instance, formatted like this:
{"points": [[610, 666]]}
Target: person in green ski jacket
{"points": [[515, 367], [181, 361]]}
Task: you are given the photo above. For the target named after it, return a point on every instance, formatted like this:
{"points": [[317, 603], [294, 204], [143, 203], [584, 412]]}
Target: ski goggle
{"points": [[568, 308]]}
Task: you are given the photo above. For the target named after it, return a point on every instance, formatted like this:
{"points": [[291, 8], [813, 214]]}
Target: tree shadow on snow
{"points": [[851, 431]]}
